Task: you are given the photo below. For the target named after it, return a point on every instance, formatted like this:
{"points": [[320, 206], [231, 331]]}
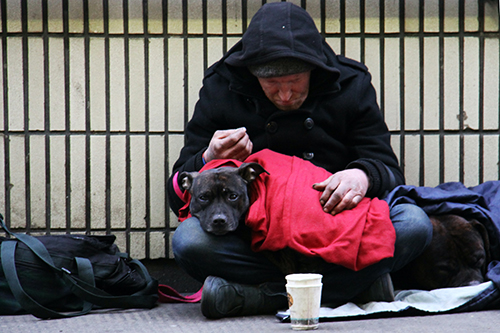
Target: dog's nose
{"points": [[219, 219]]}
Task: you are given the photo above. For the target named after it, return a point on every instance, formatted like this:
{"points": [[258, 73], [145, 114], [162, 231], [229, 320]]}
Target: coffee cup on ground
{"points": [[304, 300]]}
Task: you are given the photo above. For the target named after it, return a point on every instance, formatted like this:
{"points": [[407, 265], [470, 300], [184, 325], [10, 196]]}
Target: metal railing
{"points": [[96, 94]]}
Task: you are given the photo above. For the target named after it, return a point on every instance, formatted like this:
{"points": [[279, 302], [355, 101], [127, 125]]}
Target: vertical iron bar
{"points": [[67, 136], [145, 15], [224, 26], [107, 87], [362, 29], [205, 38], [323, 18], [88, 153], [128, 180], [382, 60], [342, 26], [441, 94], [6, 134], [46, 98], [186, 60], [26, 110], [421, 44], [481, 5], [461, 29], [498, 34], [402, 92], [244, 15], [166, 124]]}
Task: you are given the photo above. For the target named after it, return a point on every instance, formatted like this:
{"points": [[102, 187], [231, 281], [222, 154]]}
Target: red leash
{"points": [[168, 294]]}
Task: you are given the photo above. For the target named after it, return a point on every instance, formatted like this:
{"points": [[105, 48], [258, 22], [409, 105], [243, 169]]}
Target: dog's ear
{"points": [[484, 234], [250, 171], [186, 179]]}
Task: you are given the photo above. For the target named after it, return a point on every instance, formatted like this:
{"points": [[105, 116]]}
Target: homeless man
{"points": [[284, 89]]}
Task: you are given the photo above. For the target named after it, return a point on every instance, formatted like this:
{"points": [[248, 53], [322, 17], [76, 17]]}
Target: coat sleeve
{"points": [[370, 138]]}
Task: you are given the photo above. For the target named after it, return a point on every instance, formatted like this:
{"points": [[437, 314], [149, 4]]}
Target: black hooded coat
{"points": [[339, 125]]}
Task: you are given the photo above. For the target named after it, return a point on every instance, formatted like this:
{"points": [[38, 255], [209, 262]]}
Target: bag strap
{"points": [[168, 294], [141, 299], [8, 253], [144, 298], [85, 270], [83, 286]]}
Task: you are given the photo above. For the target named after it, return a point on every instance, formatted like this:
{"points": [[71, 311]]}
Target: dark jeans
{"points": [[202, 254]]}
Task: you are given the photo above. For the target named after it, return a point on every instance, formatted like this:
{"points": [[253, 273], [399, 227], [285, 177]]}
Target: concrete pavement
{"points": [[188, 318]]}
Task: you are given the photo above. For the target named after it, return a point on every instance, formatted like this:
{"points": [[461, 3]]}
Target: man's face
{"points": [[287, 92]]}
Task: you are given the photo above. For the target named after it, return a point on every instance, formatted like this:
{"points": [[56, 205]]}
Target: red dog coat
{"points": [[285, 212]]}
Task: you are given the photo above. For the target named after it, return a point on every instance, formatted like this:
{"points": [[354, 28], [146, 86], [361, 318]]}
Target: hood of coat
{"points": [[278, 30]]}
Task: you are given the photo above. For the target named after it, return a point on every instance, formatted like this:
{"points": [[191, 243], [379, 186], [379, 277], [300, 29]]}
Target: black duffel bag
{"points": [[69, 275]]}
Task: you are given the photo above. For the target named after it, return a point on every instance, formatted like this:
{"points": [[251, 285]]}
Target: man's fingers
{"points": [[331, 202], [330, 196], [319, 186], [234, 143], [350, 200], [231, 137], [343, 190], [221, 134]]}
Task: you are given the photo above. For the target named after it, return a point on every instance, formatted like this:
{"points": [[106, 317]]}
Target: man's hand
{"points": [[343, 190], [229, 144]]}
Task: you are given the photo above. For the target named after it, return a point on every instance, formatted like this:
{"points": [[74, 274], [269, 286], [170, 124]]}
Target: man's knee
{"points": [[413, 227], [413, 217], [188, 238]]}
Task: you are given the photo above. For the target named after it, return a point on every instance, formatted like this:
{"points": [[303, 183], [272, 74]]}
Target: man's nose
{"points": [[285, 94]]}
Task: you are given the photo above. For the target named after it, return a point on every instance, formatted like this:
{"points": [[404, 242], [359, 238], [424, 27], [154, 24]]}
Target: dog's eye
{"points": [[446, 269], [203, 197], [479, 262], [232, 196]]}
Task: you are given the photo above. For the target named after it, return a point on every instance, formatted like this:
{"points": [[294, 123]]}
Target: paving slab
{"points": [[188, 318]]}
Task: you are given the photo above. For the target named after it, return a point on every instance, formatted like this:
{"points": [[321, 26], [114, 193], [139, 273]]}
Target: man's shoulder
{"points": [[216, 76], [351, 63], [220, 72], [213, 69]]}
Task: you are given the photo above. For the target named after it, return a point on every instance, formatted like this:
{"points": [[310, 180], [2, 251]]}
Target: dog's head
{"points": [[457, 256], [219, 197]]}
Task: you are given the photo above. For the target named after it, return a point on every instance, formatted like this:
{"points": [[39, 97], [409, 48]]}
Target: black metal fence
{"points": [[96, 94]]}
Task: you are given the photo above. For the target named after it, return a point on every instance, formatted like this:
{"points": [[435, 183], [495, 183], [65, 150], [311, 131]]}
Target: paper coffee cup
{"points": [[304, 300]]}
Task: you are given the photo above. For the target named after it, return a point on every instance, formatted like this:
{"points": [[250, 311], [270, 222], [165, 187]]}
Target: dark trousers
{"points": [[202, 254]]}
